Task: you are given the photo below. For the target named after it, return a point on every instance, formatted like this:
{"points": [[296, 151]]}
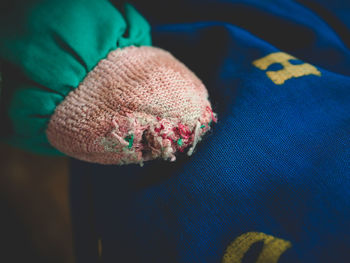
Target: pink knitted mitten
{"points": [[138, 104]]}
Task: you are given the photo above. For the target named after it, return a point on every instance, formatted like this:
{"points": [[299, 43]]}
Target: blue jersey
{"points": [[271, 181]]}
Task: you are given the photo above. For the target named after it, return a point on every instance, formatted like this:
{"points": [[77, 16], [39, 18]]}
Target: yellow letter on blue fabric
{"points": [[289, 70], [272, 250]]}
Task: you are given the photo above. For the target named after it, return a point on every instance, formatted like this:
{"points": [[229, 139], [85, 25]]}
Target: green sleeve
{"points": [[47, 47]]}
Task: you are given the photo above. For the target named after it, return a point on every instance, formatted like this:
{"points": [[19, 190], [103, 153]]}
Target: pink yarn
{"points": [[138, 104]]}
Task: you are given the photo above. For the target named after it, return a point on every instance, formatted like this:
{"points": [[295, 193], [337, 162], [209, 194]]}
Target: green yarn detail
{"points": [[47, 48], [130, 139], [203, 126], [179, 142]]}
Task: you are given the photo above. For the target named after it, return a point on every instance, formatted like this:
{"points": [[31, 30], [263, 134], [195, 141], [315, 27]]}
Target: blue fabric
{"points": [[277, 161]]}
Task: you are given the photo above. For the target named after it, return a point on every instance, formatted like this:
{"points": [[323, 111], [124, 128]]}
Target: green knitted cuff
{"points": [[47, 48]]}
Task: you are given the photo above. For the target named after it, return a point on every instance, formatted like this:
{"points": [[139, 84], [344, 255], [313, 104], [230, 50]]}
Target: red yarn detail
{"points": [[212, 115], [161, 126], [184, 131]]}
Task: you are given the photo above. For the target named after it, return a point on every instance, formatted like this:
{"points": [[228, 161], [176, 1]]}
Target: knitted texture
{"points": [[138, 104]]}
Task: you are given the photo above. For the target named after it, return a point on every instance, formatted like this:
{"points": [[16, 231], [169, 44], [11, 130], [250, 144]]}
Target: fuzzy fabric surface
{"points": [[138, 104]]}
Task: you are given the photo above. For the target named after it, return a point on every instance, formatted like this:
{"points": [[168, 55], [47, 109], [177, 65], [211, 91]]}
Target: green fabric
{"points": [[50, 46]]}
